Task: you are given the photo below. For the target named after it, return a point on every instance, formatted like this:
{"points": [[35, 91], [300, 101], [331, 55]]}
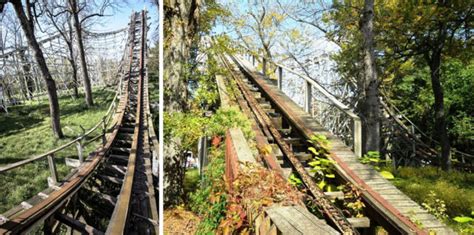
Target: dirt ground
{"points": [[180, 221]]}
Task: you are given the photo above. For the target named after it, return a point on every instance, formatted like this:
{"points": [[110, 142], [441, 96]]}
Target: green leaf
{"points": [[463, 219], [330, 176], [313, 150], [322, 184], [330, 188], [387, 175], [374, 160], [314, 163]]}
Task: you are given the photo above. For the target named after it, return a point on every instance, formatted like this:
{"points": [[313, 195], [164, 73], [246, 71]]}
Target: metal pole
{"points": [[280, 77], [308, 97], [52, 169]]}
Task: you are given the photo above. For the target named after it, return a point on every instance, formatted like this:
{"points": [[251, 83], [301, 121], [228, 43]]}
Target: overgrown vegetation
{"points": [[445, 195], [210, 200], [253, 189], [25, 132]]}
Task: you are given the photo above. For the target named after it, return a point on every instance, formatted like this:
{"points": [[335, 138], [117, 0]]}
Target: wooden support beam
{"points": [[77, 225], [52, 169], [363, 222]]}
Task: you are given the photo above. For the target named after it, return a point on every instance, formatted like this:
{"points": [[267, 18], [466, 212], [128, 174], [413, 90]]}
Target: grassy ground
{"points": [[26, 132], [435, 187], [191, 181]]}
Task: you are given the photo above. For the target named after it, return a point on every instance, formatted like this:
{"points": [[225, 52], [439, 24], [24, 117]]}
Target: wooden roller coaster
{"points": [[113, 190], [287, 128]]}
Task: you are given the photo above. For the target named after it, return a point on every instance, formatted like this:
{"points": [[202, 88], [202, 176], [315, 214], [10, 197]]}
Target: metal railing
{"points": [[331, 113]]}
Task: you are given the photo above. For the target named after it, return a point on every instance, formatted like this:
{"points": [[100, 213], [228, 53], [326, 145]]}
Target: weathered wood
{"points": [[280, 77], [327, 207], [77, 225], [72, 162], [297, 220], [52, 169], [80, 151], [363, 222]]}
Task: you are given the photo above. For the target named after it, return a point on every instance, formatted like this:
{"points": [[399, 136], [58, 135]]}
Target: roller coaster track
{"points": [[282, 124], [112, 191]]}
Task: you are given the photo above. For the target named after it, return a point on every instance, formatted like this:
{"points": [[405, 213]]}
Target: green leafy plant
{"points": [[352, 201], [322, 167], [210, 201], [435, 206], [295, 180], [373, 158]]}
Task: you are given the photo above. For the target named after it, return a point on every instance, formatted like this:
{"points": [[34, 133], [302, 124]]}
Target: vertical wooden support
{"points": [[104, 127], [280, 77], [264, 66], [308, 97], [80, 150], [253, 60], [52, 169], [357, 137], [413, 143]]}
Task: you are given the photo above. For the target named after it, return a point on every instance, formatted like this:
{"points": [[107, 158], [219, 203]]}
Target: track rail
{"points": [[284, 125], [112, 192]]}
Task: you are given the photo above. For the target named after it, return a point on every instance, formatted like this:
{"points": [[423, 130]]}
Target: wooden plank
{"points": [[280, 222], [363, 222]]}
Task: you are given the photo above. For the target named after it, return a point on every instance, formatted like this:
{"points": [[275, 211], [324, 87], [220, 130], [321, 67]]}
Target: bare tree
{"points": [[78, 12], [27, 23], [62, 23], [74, 9]]}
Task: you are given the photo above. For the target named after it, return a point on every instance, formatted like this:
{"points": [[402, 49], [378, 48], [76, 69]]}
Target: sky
{"points": [[115, 18], [120, 17]]}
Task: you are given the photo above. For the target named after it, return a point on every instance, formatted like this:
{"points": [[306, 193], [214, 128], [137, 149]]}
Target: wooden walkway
{"points": [[394, 204]]}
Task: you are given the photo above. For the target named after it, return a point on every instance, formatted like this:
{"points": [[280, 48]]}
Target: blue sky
{"points": [[120, 17]]}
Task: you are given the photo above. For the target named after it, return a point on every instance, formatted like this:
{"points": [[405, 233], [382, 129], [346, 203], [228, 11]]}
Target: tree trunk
{"points": [[180, 31], [440, 117], [28, 29], [82, 56], [74, 69], [74, 78], [29, 84], [370, 105]]}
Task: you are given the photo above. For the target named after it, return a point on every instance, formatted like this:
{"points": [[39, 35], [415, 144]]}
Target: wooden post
{"points": [[253, 60], [104, 127], [280, 77], [79, 150], [202, 154], [357, 137], [308, 96], [52, 168], [413, 143], [264, 66]]}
